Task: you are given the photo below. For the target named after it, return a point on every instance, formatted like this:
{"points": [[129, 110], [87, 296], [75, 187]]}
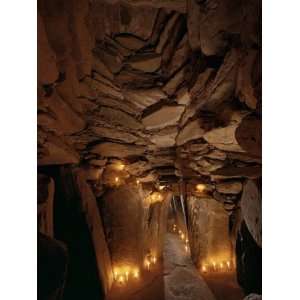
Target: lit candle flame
{"points": [[126, 273], [117, 179], [136, 274], [204, 269], [148, 264], [200, 187], [121, 279], [186, 248], [228, 265]]}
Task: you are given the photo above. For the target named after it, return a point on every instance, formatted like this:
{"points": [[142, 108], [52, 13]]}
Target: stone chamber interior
{"points": [[149, 149]]}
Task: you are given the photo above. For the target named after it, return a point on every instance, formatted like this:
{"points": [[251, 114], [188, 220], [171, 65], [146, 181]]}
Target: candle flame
{"points": [[200, 187]]}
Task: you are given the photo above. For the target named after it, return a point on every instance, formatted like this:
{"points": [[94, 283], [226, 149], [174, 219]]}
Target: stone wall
{"points": [[208, 231], [134, 226]]}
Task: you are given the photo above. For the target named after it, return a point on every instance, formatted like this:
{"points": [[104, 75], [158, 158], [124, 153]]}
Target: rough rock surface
{"points": [[209, 235], [251, 210], [145, 93], [165, 116], [133, 72], [182, 280]]}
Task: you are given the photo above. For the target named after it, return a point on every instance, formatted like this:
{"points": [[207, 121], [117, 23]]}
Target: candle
{"points": [[214, 264], [228, 265], [204, 269], [136, 274], [148, 264], [121, 279], [117, 179], [116, 275], [126, 273], [186, 248]]}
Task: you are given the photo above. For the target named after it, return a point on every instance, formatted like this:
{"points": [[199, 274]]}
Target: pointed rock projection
{"points": [[224, 138], [192, 131], [165, 116], [165, 137], [143, 98], [146, 62]]}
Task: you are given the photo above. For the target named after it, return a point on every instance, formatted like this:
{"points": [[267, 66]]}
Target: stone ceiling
{"points": [[170, 88]]}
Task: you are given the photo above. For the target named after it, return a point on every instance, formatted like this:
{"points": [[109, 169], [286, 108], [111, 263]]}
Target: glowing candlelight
{"points": [[214, 264], [204, 269], [221, 265], [186, 240], [228, 265], [137, 181], [121, 279], [182, 236], [117, 179], [153, 259], [180, 232], [136, 274], [200, 187], [116, 274], [148, 264], [186, 248], [127, 274]]}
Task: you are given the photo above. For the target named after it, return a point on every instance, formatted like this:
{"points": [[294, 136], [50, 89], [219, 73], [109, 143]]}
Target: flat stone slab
{"points": [[181, 278]]}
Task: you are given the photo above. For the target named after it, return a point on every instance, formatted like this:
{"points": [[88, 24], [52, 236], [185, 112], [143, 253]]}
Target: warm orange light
{"points": [[186, 248], [127, 274], [186, 240], [121, 279], [137, 181], [117, 179], [182, 236], [204, 269], [214, 264], [153, 259], [161, 187], [200, 187], [180, 232], [148, 264], [228, 265], [136, 274], [119, 166], [221, 265]]}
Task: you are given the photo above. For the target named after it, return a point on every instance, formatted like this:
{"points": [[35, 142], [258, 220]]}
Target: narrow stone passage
{"points": [[181, 279]]}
